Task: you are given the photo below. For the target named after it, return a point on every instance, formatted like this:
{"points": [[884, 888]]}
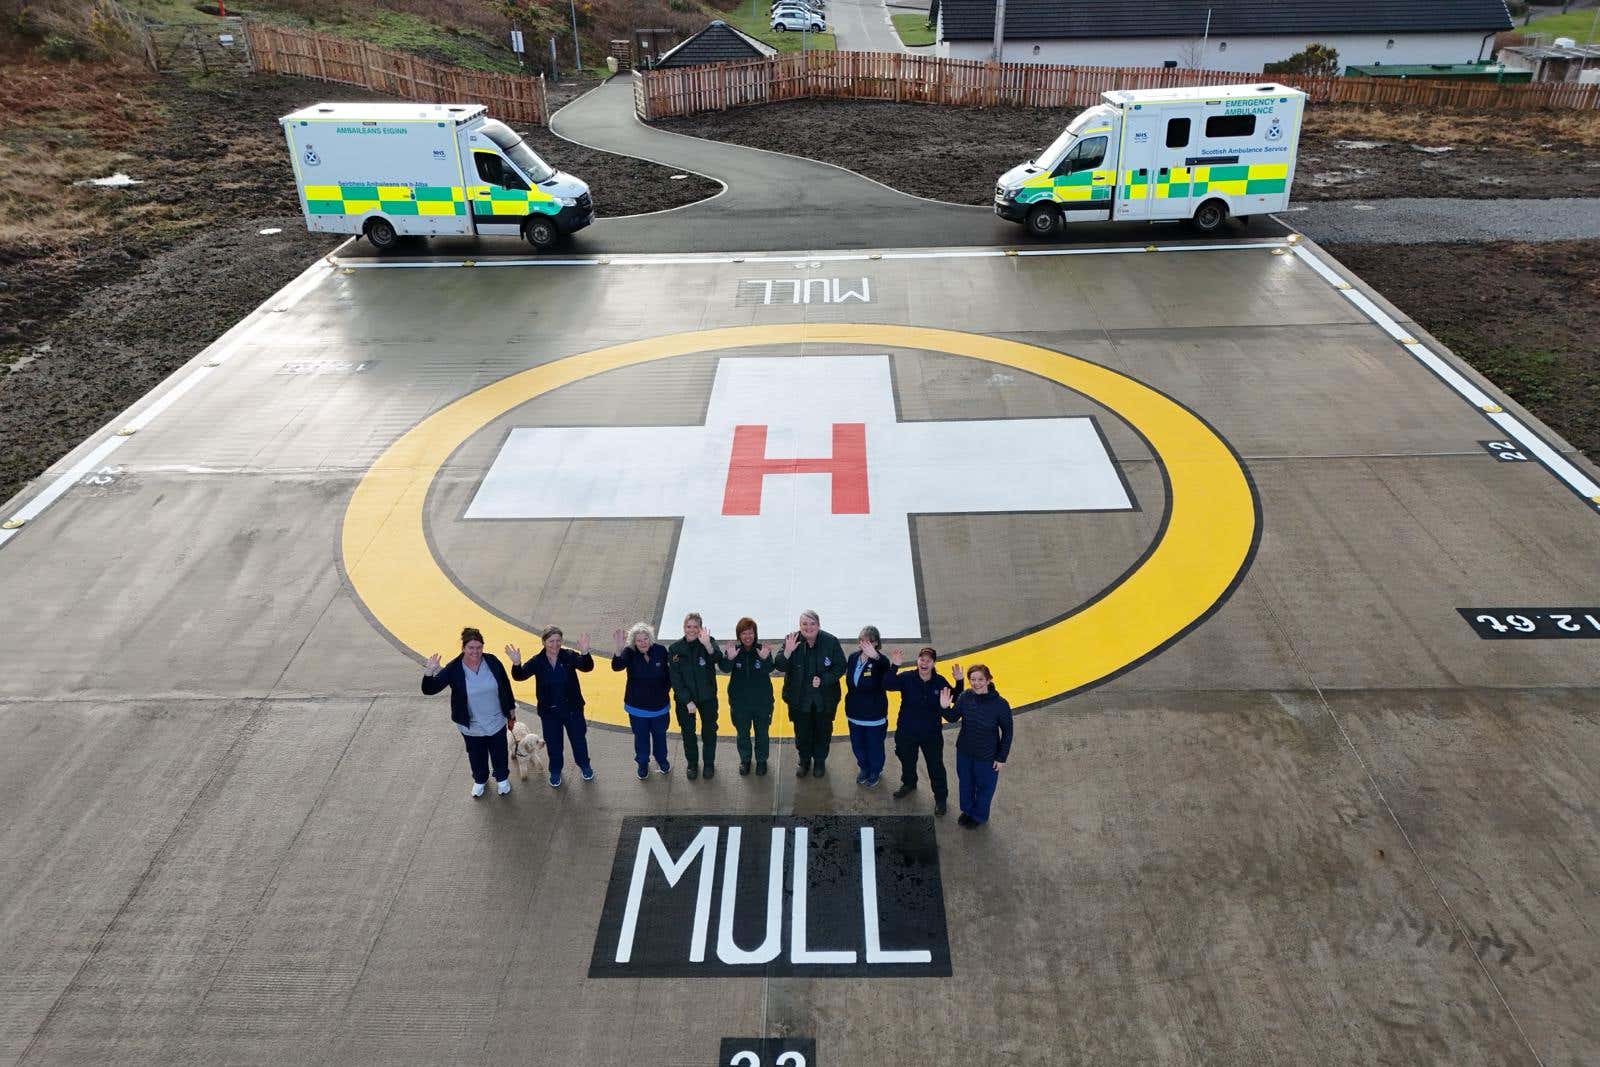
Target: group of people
{"points": [[685, 675]]}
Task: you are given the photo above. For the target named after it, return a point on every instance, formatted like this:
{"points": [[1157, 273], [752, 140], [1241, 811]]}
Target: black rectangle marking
{"points": [[1505, 451], [767, 1052], [1202, 161], [1528, 624], [669, 913]]}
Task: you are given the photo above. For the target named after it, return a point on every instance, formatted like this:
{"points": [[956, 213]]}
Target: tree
{"points": [[1315, 59]]}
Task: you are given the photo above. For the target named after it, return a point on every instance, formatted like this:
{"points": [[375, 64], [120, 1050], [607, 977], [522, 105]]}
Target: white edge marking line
{"points": [[820, 257], [1513, 427], [216, 353]]}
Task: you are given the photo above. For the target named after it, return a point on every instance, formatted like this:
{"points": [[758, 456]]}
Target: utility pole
{"points": [[577, 52], [999, 28], [1204, 39]]}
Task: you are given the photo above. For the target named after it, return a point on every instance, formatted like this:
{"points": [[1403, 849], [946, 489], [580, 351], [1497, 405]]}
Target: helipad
{"points": [[1211, 512]]}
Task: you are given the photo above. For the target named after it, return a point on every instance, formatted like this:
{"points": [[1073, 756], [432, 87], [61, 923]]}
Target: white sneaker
{"points": [[504, 786], [477, 789]]}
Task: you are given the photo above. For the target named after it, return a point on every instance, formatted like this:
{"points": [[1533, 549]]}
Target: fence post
{"points": [[322, 68]]}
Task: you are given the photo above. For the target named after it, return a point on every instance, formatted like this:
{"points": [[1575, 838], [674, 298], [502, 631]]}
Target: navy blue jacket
{"points": [[454, 675], [649, 685], [867, 700], [538, 668], [985, 725], [920, 713]]}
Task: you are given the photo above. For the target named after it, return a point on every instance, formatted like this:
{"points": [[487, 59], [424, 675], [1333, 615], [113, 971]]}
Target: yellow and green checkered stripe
{"points": [[390, 199], [1234, 180], [488, 200], [1068, 188]]}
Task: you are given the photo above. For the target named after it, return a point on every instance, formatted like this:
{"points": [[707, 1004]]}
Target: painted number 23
{"points": [[747, 1058]]}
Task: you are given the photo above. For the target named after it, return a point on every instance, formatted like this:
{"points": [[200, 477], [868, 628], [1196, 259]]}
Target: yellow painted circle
{"points": [[1202, 551]]}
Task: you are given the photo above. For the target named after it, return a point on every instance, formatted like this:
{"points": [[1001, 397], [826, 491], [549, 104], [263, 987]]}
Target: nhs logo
{"points": [[827, 896]]}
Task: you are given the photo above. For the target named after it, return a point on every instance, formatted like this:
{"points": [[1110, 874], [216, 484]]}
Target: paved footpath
{"points": [[864, 26]]}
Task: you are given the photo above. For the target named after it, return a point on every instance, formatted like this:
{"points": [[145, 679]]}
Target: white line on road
{"points": [[1551, 459], [214, 354]]}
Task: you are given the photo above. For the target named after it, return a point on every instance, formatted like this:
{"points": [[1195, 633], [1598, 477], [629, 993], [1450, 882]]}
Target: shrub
{"points": [[1315, 59]]}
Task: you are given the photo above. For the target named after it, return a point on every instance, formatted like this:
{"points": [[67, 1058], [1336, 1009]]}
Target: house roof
{"points": [[717, 43], [967, 20]]}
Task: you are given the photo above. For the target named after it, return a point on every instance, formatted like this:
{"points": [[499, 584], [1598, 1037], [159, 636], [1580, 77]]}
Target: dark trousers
{"points": [[867, 744], [977, 779], [744, 724], [931, 745], [813, 732], [577, 729], [484, 751], [649, 736], [708, 734]]}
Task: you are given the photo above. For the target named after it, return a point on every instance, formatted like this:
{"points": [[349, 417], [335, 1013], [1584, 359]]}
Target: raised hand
{"points": [[432, 667], [894, 656], [727, 649], [583, 644], [514, 654], [791, 643], [946, 698], [761, 649], [706, 639], [866, 649], [955, 673], [617, 635]]}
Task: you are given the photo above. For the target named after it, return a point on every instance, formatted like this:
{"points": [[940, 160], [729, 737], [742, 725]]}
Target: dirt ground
{"points": [[105, 291], [1346, 152], [1523, 314]]}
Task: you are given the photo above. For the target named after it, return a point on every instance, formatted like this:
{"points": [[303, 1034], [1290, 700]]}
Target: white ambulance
{"points": [[1201, 153], [386, 171]]}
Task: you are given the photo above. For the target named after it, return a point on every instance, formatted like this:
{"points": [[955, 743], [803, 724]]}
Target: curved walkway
{"points": [[772, 202], [1411, 220]]}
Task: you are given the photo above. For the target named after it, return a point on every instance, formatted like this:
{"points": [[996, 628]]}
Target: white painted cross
{"points": [[796, 492]]}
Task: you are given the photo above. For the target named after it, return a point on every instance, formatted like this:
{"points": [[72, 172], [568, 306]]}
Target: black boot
{"points": [[761, 768], [693, 772], [904, 791], [819, 768], [802, 769], [744, 767]]}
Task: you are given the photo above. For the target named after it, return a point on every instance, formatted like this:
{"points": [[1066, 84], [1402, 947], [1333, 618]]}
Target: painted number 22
{"points": [[746, 1058]]}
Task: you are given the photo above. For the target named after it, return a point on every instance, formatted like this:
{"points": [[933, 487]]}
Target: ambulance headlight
{"points": [[568, 201]]}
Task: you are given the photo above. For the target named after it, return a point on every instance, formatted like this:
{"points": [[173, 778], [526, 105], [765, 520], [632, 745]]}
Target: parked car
{"points": [[816, 6], [804, 7], [795, 19]]}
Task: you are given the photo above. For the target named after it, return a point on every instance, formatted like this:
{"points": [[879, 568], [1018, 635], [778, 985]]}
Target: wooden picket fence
{"points": [[965, 82], [511, 97]]}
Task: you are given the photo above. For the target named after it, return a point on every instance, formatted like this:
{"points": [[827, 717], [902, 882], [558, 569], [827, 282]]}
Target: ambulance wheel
{"points": [[1209, 216], [541, 233], [1043, 221], [381, 233]]}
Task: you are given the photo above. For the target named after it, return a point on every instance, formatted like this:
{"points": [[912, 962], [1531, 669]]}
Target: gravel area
{"points": [[1410, 220], [955, 153]]}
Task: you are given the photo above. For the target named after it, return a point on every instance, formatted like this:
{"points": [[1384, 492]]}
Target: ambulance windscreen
{"points": [[1052, 155], [517, 150]]}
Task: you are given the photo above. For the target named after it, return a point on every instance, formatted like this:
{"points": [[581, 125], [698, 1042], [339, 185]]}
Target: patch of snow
{"points": [[115, 181], [270, 230], [1433, 150], [679, 177], [1362, 144], [1362, 207]]}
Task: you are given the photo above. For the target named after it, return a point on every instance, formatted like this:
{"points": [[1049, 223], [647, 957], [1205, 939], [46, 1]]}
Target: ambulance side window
{"points": [[1087, 154], [1230, 125], [1177, 133], [493, 169]]}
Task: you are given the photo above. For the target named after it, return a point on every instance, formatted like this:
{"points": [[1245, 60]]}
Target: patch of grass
{"points": [[753, 17], [913, 29], [1579, 25]]}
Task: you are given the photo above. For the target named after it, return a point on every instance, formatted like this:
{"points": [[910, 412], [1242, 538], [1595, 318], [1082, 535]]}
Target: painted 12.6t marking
{"points": [[1502, 624]]}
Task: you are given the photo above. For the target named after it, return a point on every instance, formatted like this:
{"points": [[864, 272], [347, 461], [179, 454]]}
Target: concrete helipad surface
{"points": [[1209, 513]]}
